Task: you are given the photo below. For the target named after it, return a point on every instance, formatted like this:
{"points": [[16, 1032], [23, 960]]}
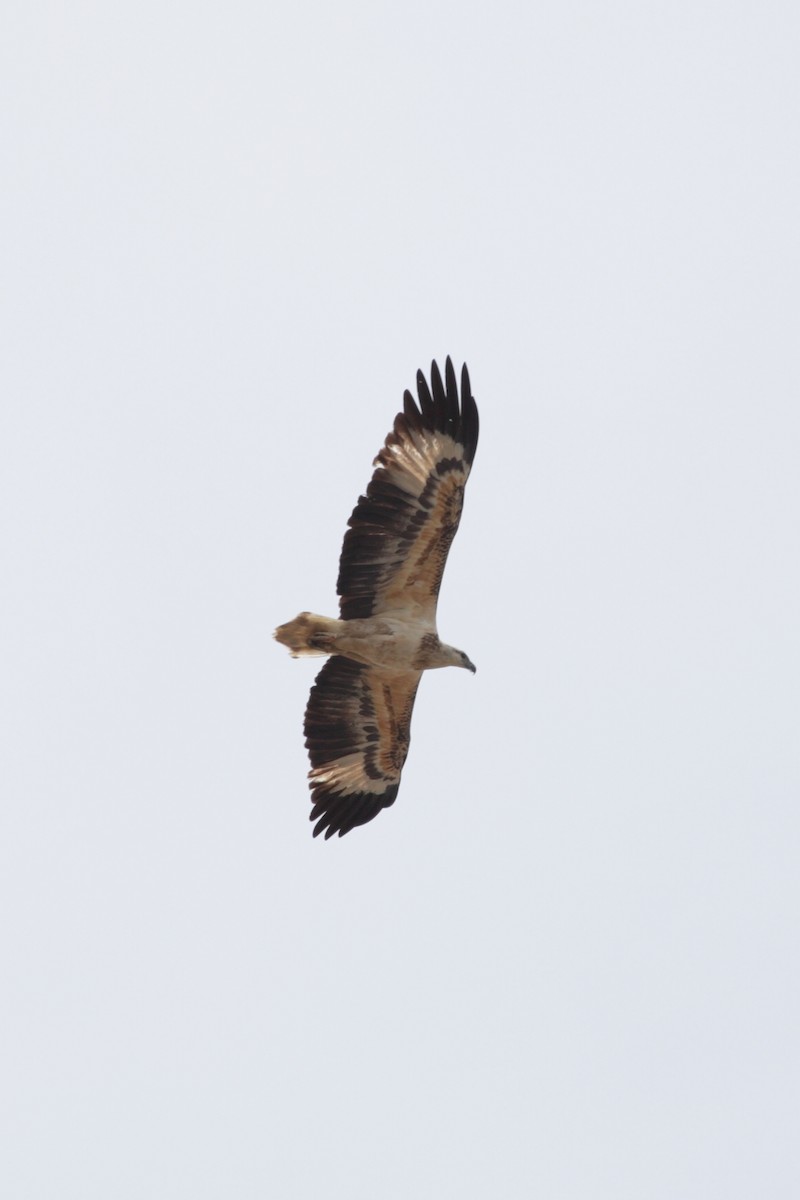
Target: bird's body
{"points": [[393, 643], [359, 713]]}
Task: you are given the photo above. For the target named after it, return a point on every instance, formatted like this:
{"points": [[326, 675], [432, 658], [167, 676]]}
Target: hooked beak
{"points": [[471, 666]]}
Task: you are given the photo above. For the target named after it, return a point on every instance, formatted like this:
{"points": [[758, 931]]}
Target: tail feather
{"points": [[308, 635]]}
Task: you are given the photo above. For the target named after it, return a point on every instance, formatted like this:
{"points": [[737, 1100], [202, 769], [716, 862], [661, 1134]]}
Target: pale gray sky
{"points": [[565, 964]]}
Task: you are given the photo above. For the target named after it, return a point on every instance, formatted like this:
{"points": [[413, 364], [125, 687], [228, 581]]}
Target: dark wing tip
{"points": [[410, 410], [440, 398], [425, 400], [336, 813], [440, 405], [469, 417], [450, 380]]}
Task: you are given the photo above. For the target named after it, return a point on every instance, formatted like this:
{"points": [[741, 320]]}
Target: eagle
{"points": [[357, 723]]}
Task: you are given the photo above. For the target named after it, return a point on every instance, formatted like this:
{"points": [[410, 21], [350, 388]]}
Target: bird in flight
{"points": [[358, 719]]}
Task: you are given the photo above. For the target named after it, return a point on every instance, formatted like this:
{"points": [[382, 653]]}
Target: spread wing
{"points": [[399, 535], [357, 730]]}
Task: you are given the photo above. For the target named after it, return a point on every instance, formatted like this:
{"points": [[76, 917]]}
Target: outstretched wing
{"points": [[396, 547], [357, 731]]}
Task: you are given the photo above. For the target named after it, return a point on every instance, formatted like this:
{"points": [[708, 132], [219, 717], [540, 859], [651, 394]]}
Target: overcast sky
{"points": [[565, 963]]}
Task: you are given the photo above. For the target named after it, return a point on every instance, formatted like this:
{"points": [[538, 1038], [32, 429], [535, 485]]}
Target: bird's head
{"points": [[459, 659]]}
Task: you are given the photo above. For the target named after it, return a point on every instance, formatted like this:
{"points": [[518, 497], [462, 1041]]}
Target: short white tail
{"points": [[308, 634]]}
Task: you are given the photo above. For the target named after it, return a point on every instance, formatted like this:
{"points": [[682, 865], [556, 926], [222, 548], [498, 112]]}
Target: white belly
{"points": [[382, 641]]}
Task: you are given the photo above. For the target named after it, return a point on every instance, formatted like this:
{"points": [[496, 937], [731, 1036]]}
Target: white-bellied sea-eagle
{"points": [[358, 718]]}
